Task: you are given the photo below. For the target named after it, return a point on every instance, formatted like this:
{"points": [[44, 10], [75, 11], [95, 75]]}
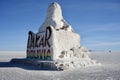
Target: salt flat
{"points": [[109, 70]]}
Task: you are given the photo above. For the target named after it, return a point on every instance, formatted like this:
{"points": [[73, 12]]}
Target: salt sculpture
{"points": [[57, 42]]}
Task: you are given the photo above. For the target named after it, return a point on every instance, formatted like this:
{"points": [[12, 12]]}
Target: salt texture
{"points": [[54, 18]]}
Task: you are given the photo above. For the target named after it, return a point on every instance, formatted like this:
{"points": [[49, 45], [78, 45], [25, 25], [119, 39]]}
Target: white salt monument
{"points": [[56, 45]]}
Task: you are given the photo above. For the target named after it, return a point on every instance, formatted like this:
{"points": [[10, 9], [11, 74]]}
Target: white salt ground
{"points": [[110, 69]]}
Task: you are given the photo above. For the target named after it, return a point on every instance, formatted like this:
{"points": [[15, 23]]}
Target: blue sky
{"points": [[97, 22]]}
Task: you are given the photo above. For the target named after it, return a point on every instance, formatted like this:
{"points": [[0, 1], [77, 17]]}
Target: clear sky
{"points": [[97, 22]]}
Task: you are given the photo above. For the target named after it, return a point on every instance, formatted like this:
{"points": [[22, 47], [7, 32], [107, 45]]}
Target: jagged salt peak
{"points": [[54, 18], [54, 11]]}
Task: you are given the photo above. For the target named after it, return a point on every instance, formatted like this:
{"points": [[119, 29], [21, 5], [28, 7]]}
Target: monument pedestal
{"points": [[42, 65]]}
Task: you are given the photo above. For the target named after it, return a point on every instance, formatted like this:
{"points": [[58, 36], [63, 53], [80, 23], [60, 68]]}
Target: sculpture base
{"points": [[43, 65]]}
